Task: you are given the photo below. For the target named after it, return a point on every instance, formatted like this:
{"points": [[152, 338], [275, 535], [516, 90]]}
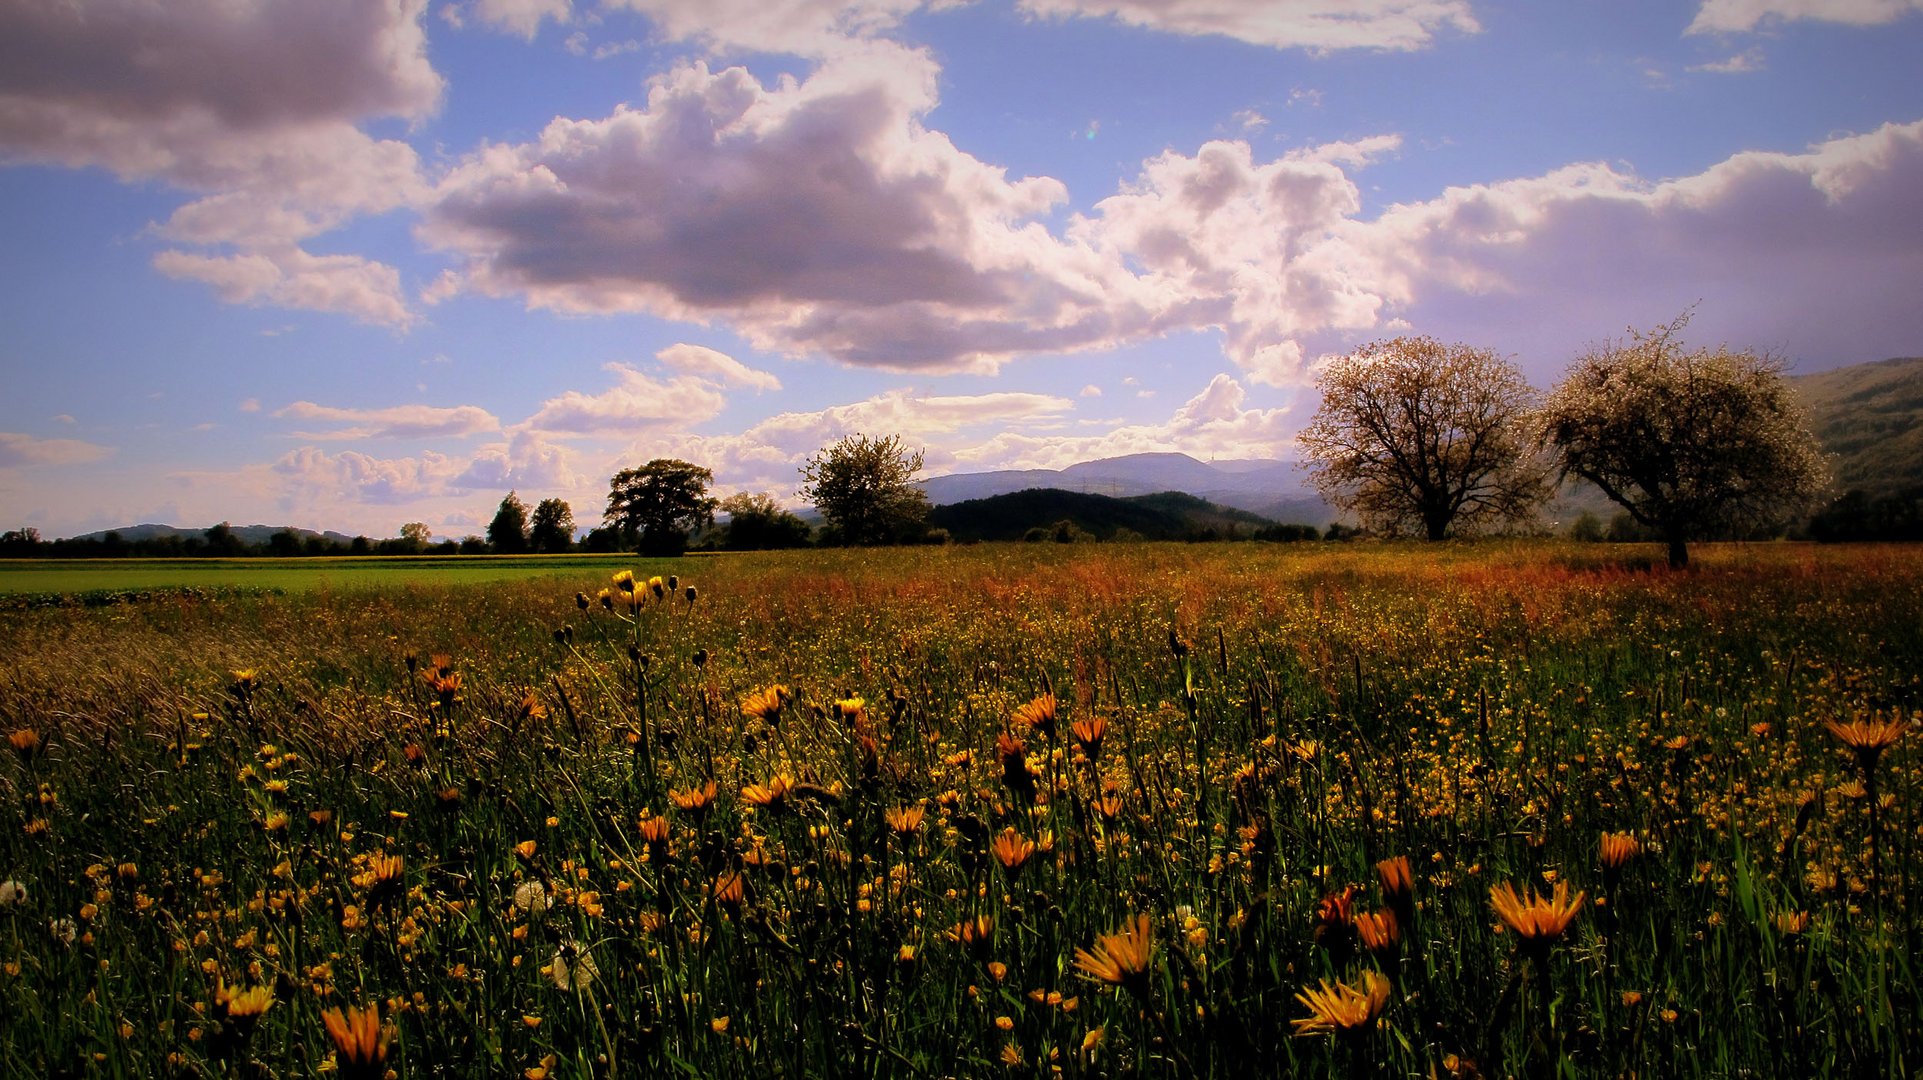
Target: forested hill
{"points": [[1870, 418], [1169, 515]]}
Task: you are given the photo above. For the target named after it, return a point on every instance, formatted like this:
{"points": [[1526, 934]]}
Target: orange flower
{"points": [[1012, 849], [695, 800], [360, 1042], [1397, 880], [1378, 930], [1122, 958], [1088, 733], [976, 935], [1619, 848]]}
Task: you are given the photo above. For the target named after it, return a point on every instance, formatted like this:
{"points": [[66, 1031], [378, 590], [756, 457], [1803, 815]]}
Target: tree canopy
{"points": [[552, 529], [865, 489], [507, 533], [1417, 436], [657, 505], [1687, 442]]}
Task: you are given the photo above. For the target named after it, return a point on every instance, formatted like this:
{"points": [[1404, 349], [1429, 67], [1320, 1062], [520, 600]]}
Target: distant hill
{"points": [[1272, 489], [253, 535], [1870, 418], [1168, 515]]}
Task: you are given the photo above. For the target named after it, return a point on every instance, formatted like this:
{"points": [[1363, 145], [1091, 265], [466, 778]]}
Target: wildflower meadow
{"points": [[1501, 809]]}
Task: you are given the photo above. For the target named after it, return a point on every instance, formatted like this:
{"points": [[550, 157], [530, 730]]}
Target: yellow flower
{"points": [[765, 704], [905, 820], [624, 580], [1122, 958], [244, 1005], [1867, 738], [1538, 921], [771, 796], [1343, 1009], [1038, 715]]}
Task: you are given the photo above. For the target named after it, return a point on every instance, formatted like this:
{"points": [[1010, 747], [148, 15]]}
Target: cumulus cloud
{"points": [[19, 450], [1812, 253], [527, 460], [310, 473], [311, 477], [288, 277], [253, 104], [1319, 25], [1242, 242], [637, 402], [816, 216], [1739, 16], [702, 361], [397, 422]]}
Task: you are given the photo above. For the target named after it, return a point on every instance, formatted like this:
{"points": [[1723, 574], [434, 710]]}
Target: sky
{"points": [[353, 264]]}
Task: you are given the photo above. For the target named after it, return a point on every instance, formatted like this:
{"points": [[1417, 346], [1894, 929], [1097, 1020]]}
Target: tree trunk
{"points": [[1678, 552], [1437, 527]]}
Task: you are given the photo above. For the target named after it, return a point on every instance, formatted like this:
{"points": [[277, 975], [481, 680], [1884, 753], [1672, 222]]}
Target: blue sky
{"points": [[356, 264]]}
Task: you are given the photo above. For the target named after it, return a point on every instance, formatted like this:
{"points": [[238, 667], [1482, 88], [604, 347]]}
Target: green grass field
{"points": [[78, 577], [1037, 810]]}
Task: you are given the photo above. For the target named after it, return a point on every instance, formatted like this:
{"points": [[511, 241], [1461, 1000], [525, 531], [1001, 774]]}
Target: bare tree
{"points": [[1688, 442], [1415, 435]]}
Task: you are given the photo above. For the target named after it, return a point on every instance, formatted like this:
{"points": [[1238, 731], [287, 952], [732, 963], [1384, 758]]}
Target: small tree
{"points": [[507, 533], [553, 526], [658, 504], [415, 535], [1686, 443], [865, 488], [759, 523], [1416, 435]]}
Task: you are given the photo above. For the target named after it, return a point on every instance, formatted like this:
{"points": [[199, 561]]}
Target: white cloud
{"points": [[1749, 60], [702, 361], [18, 450], [1239, 244], [1319, 25], [527, 461], [1215, 423], [397, 422], [253, 103], [1738, 16], [815, 216], [1796, 251], [637, 402], [1091, 390], [288, 277]]}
